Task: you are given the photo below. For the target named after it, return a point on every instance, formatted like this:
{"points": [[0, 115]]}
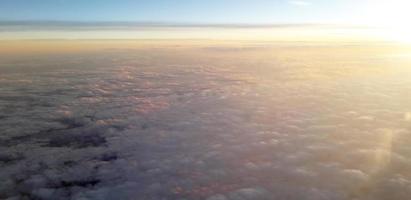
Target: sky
{"points": [[181, 11], [392, 15]]}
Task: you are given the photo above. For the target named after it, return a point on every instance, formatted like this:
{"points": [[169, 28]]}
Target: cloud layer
{"points": [[215, 123]]}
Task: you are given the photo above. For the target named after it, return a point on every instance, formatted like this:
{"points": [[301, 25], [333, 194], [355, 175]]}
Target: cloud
{"points": [[299, 3], [152, 123]]}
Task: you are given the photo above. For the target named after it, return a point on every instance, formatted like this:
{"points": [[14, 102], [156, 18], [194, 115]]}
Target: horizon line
{"points": [[162, 24]]}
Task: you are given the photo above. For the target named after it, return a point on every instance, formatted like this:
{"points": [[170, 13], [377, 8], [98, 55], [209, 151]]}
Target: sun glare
{"points": [[391, 16]]}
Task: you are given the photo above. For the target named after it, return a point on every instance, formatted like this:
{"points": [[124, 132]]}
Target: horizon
{"points": [[350, 20], [112, 30]]}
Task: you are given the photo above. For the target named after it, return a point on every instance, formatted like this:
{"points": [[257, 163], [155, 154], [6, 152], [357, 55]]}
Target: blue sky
{"points": [[181, 11]]}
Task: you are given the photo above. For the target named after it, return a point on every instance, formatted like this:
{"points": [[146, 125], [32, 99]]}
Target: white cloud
{"points": [[299, 3]]}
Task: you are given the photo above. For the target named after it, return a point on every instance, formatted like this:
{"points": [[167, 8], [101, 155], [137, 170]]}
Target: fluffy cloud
{"points": [[182, 124]]}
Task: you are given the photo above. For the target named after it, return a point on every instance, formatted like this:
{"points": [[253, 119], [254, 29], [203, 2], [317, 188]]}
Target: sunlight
{"points": [[392, 16]]}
